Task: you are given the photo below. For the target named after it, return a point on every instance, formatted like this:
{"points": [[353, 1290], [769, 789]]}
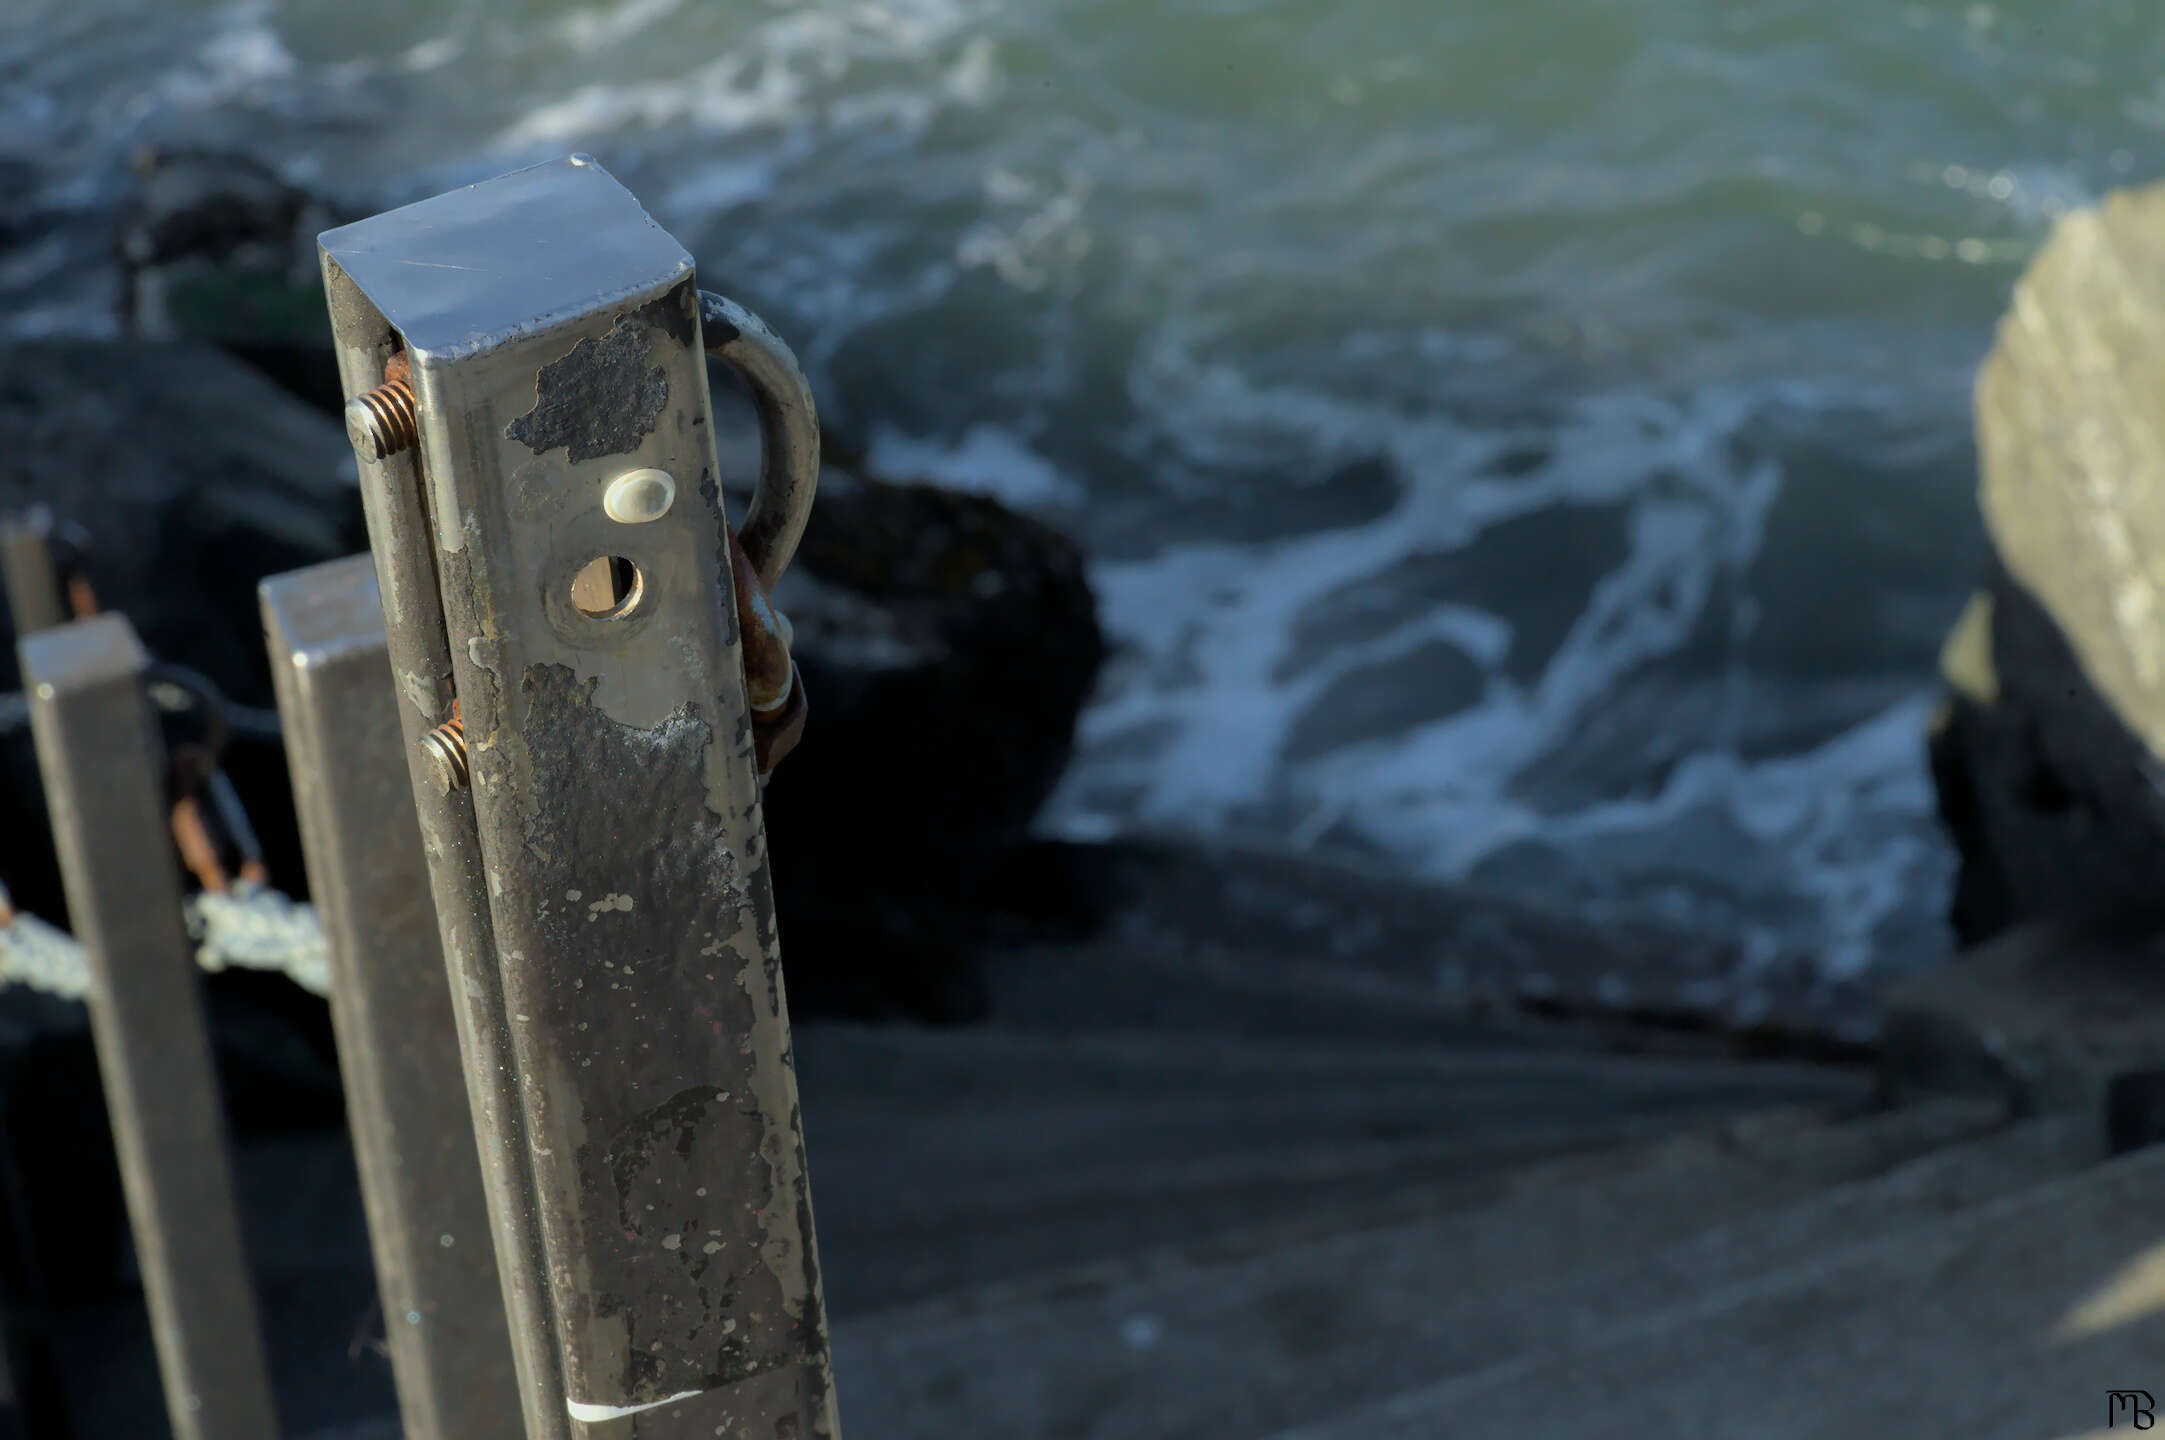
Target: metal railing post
{"points": [[416, 643], [413, 1130], [98, 754], [32, 579], [536, 342], [29, 1383]]}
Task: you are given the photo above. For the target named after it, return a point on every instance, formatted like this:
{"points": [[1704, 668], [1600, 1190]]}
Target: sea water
{"points": [[1524, 442]]}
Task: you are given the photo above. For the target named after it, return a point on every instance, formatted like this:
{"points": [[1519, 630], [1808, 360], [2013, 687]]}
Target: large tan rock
{"points": [[2047, 755]]}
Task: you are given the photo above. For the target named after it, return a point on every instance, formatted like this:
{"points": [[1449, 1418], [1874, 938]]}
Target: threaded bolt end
{"points": [[445, 747], [384, 421]]}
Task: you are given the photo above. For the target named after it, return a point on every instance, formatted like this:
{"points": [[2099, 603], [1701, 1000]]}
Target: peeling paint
{"points": [[421, 693], [674, 313], [601, 398]]}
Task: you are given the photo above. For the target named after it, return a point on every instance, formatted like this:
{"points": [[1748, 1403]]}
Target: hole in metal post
{"points": [[607, 589]]}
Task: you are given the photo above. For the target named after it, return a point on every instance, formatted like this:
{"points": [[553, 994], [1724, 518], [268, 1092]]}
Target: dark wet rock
{"points": [[191, 477], [947, 646], [2050, 798], [2047, 756], [2061, 1014], [217, 246], [1163, 934]]}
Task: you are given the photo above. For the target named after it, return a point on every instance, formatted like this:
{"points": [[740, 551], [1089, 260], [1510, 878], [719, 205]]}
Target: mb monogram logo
{"points": [[2136, 1405]]}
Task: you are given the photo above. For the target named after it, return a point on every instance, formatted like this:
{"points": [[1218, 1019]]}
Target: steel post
{"points": [[413, 1130], [33, 582], [99, 756], [393, 497], [547, 336]]}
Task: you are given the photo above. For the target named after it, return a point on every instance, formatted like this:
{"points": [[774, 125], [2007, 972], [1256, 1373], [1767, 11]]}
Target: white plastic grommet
{"points": [[640, 496]]}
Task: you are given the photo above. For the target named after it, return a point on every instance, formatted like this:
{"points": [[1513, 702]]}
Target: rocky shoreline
{"points": [[949, 645]]}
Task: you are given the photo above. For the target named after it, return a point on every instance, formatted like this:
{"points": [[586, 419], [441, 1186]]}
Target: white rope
{"points": [[251, 928]]}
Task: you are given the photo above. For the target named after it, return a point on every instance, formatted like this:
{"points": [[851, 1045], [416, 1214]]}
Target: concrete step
{"points": [[2012, 1320], [910, 1064], [1163, 982], [307, 1244], [1249, 1334], [945, 1159]]}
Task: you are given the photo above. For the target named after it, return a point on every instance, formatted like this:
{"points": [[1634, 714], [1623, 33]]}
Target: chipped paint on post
{"points": [[603, 398], [615, 798]]}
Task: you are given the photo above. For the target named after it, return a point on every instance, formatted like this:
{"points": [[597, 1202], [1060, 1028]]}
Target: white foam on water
{"points": [[1843, 827], [434, 53], [987, 460], [243, 53], [716, 188], [1191, 729], [798, 65], [591, 29], [1214, 622]]}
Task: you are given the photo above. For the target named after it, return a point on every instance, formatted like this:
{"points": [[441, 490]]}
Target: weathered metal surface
{"points": [[395, 502], [33, 581], [553, 337], [413, 1131], [103, 779]]}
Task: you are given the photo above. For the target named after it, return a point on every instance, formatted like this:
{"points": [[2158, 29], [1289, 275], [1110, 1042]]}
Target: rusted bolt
{"points": [[385, 421], [445, 750]]}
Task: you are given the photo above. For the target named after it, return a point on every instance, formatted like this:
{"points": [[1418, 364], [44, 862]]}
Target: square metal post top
{"points": [[471, 269]]}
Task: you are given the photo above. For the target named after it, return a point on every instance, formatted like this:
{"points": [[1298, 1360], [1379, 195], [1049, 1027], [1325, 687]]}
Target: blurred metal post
{"points": [[536, 341], [33, 581], [27, 1385], [413, 1130], [98, 754]]}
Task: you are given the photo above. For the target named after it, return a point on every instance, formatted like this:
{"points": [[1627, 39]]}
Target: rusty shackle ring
{"points": [[788, 432], [761, 549]]}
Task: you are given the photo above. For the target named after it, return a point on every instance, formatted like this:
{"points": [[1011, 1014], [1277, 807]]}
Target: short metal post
{"points": [[413, 1130], [550, 336], [98, 754]]}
